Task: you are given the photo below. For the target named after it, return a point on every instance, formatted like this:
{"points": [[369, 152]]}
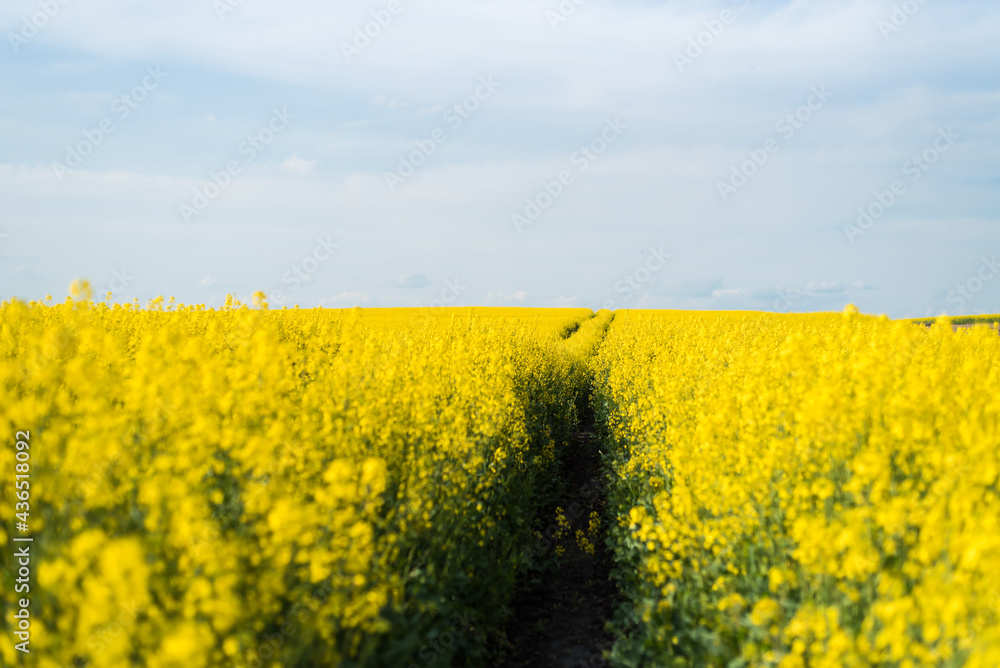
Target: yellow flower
{"points": [[80, 290], [764, 611]]}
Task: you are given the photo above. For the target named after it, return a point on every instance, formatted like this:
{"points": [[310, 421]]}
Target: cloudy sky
{"points": [[756, 154]]}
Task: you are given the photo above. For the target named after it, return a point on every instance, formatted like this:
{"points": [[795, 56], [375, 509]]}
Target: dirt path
{"points": [[559, 617]]}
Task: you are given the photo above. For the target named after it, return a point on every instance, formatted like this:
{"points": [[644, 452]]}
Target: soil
{"points": [[560, 616]]}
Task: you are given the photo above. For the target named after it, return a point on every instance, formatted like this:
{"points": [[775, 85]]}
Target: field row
{"points": [[804, 490], [246, 487]]}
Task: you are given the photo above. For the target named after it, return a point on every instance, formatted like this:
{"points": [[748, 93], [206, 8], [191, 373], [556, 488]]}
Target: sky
{"points": [[762, 155]]}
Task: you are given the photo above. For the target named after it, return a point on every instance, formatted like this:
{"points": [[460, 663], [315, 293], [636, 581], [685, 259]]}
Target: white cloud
{"points": [[347, 300], [300, 166], [829, 286], [745, 293], [412, 281], [431, 110], [25, 272], [566, 302], [684, 288], [506, 299]]}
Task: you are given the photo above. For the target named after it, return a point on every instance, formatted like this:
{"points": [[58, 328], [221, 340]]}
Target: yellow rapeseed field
{"points": [[305, 487], [252, 487], [793, 491]]}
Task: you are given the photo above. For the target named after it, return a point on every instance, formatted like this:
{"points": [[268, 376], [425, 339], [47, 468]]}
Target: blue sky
{"points": [[685, 154]]}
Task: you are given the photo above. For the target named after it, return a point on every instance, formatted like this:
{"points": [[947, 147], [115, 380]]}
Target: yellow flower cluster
{"points": [[585, 539], [804, 490], [249, 487]]}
